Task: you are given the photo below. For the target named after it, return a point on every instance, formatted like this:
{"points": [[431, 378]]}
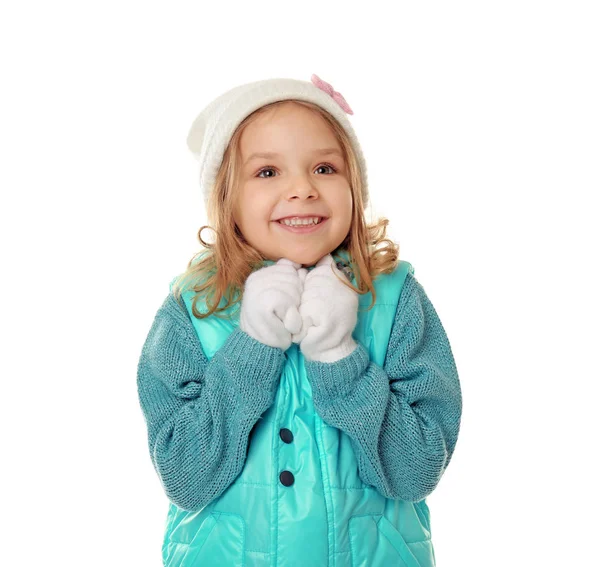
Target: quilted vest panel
{"points": [[328, 516]]}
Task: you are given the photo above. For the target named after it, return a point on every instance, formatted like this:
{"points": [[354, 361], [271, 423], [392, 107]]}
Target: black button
{"points": [[286, 435], [286, 478]]}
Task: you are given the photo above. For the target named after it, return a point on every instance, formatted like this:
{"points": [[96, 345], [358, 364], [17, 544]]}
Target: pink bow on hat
{"points": [[326, 87]]}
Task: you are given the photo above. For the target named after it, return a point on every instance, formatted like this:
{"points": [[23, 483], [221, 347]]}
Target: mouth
{"points": [[303, 228]]}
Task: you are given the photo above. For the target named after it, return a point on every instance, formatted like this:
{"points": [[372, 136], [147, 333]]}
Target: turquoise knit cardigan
{"points": [[403, 418]]}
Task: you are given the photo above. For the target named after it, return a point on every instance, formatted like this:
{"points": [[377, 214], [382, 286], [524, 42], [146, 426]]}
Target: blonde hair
{"points": [[221, 272]]}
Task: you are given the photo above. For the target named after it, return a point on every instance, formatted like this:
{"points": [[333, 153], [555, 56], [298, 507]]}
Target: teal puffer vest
{"points": [[327, 516]]}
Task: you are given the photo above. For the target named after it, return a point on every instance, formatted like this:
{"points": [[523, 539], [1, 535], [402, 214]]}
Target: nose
{"points": [[302, 188]]}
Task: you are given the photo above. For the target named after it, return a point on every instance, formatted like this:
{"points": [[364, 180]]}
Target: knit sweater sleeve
{"points": [[199, 413], [403, 419]]}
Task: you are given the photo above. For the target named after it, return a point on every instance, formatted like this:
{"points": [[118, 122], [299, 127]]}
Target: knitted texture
{"points": [[329, 312], [403, 419], [199, 413], [212, 129], [270, 301]]}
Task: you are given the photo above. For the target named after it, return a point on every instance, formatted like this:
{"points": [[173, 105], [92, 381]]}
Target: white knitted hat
{"points": [[212, 129]]}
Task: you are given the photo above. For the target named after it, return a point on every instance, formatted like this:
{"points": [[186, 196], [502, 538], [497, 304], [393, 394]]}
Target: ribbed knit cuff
{"points": [[255, 363], [331, 380]]}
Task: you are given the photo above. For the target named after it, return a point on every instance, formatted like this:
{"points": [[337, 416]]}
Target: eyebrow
{"points": [[269, 155]]}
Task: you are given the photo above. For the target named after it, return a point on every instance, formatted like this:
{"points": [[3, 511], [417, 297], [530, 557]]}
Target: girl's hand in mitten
{"points": [[329, 312], [269, 310]]}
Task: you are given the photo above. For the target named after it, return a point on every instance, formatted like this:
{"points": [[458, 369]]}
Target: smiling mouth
{"points": [[303, 228], [311, 223]]}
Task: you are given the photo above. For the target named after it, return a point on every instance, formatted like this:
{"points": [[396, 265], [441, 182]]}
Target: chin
{"points": [[305, 258], [308, 261]]}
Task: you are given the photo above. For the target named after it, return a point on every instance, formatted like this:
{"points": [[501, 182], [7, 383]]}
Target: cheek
{"points": [[345, 206], [255, 211], [346, 218]]}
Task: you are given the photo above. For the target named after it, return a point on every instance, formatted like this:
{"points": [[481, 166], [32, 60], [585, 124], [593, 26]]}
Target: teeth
{"points": [[301, 222]]}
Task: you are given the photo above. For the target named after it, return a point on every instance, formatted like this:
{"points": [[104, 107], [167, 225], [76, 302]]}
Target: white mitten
{"points": [[329, 312], [269, 309]]}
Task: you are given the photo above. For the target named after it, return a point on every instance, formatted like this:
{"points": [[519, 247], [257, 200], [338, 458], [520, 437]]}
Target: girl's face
{"points": [[299, 177]]}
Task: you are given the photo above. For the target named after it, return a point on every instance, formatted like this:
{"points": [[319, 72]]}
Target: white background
{"points": [[480, 124]]}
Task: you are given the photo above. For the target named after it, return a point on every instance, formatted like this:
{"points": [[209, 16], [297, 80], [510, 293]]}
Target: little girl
{"points": [[299, 390]]}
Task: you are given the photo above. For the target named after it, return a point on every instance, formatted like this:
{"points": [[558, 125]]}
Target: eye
{"points": [[329, 166], [265, 169], [334, 170]]}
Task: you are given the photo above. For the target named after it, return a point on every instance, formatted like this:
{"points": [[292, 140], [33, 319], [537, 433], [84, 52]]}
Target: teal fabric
{"points": [[372, 435]]}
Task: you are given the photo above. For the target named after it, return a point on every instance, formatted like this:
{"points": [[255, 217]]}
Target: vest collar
{"points": [[341, 256]]}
